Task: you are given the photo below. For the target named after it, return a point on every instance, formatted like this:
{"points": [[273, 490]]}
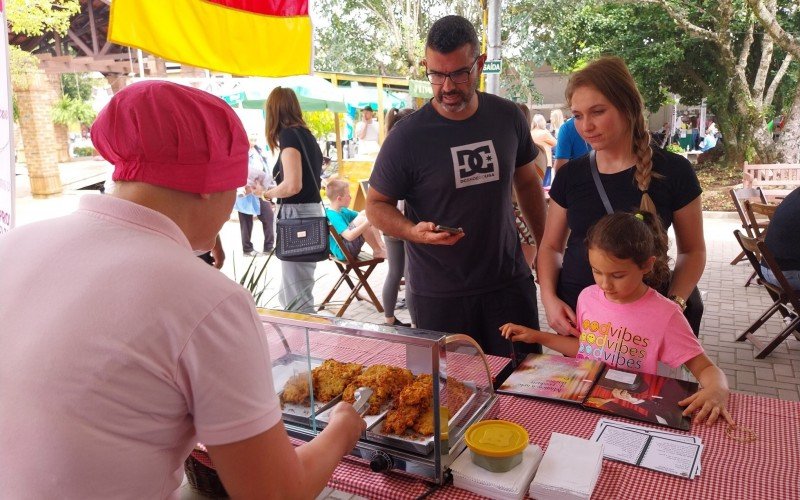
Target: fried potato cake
{"points": [[329, 379], [385, 381], [414, 401]]}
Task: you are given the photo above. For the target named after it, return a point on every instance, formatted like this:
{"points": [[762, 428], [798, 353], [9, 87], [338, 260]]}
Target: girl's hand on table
{"points": [[712, 403], [518, 333]]}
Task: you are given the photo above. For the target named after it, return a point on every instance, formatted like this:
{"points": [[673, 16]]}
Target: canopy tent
{"points": [[360, 96], [313, 93]]}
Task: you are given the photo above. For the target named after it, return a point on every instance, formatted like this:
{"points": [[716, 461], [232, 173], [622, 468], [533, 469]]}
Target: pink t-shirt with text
{"points": [[636, 335]]}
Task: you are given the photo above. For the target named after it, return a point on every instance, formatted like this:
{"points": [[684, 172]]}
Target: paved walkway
{"points": [[729, 306]]}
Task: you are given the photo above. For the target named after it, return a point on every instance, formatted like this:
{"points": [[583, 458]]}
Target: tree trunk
{"points": [[788, 144]]}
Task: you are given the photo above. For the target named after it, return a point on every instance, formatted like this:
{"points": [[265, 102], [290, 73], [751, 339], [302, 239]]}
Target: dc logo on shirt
{"points": [[475, 163]]}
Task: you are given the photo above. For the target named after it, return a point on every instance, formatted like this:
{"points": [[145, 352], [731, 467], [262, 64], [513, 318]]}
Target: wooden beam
{"points": [[58, 42], [105, 48], [394, 81], [77, 41], [92, 26]]}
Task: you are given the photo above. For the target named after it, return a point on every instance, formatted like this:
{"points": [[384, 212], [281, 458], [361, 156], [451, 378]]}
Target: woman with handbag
{"points": [[623, 174], [297, 173]]}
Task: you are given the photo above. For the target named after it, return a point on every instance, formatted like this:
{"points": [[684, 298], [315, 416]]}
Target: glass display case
{"points": [[427, 387]]}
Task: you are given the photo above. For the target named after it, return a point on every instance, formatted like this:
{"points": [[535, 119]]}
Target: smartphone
{"points": [[452, 230]]}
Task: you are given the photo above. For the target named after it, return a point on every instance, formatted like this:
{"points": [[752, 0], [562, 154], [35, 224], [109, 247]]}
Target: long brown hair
{"points": [[635, 236], [610, 76], [283, 111], [394, 115]]}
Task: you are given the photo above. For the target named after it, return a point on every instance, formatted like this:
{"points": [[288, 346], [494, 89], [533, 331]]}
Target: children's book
{"points": [[641, 396], [598, 387], [553, 377]]}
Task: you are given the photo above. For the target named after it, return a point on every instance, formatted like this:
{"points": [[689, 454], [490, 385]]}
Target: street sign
{"points": [[492, 66]]}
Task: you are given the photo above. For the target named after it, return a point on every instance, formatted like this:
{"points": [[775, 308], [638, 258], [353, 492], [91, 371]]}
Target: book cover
{"points": [[641, 396], [552, 377]]}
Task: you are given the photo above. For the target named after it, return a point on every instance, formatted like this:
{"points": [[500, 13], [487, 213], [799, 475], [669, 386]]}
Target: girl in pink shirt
{"points": [[624, 322]]}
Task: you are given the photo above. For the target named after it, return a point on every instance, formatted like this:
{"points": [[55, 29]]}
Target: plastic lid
{"points": [[496, 438]]}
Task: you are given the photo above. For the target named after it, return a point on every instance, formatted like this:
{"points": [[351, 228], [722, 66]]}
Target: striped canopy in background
{"points": [[241, 37]]}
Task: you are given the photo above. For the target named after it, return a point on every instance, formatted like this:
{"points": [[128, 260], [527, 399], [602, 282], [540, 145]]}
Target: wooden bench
{"points": [[776, 180]]}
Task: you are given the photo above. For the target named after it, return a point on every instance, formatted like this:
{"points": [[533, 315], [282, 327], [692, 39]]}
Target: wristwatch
{"points": [[678, 300]]}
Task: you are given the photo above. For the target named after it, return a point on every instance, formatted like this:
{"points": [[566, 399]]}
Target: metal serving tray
{"points": [[300, 413], [411, 441]]}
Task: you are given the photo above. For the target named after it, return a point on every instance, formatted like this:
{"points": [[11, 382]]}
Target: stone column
{"points": [[35, 103]]}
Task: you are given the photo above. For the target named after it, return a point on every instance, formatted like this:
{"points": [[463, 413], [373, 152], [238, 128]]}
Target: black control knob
{"points": [[380, 462]]}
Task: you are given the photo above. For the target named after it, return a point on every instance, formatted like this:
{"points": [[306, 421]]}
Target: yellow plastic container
{"points": [[496, 445]]}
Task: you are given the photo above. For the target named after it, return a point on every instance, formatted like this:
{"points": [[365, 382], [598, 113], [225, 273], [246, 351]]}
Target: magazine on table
{"points": [[551, 376], [598, 387]]}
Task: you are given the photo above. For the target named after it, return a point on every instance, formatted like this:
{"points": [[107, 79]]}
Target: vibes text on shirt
{"points": [[617, 347]]}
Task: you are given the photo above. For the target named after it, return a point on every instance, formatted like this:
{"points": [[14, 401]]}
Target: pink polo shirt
{"points": [[634, 336], [120, 351]]}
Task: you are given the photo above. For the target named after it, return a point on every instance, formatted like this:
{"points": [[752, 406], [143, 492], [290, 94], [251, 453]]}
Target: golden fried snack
{"points": [[385, 381], [415, 399], [331, 378], [296, 389], [424, 424]]}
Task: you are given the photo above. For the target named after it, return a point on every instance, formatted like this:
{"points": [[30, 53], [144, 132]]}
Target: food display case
{"points": [[426, 387]]}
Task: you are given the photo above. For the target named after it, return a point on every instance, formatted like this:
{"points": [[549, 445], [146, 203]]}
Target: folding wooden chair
{"points": [[785, 298], [739, 196], [754, 209], [354, 271]]}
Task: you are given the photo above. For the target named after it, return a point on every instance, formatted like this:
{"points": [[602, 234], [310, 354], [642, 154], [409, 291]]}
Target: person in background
{"points": [[249, 202], [367, 131], [556, 120], [783, 240], [569, 145], [526, 239], [298, 187], [628, 255], [545, 141], [455, 162], [125, 375], [353, 227], [608, 112], [395, 248]]}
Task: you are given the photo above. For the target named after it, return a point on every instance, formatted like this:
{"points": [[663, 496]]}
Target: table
{"points": [[764, 470]]}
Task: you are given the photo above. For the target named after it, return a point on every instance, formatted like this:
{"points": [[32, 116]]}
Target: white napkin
{"points": [[511, 485], [569, 469]]}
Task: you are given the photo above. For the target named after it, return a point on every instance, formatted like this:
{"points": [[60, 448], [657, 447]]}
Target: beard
{"points": [[461, 104]]}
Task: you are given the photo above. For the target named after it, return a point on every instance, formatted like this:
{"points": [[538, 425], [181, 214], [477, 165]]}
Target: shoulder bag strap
{"points": [[596, 176]]}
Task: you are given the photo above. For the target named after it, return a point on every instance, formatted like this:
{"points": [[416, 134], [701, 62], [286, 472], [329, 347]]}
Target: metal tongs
{"points": [[362, 395]]}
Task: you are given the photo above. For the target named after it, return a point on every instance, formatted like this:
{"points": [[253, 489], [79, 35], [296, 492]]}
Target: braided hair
{"points": [[635, 236], [610, 76]]}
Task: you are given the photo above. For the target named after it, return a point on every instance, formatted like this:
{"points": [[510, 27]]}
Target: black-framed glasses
{"points": [[460, 76]]}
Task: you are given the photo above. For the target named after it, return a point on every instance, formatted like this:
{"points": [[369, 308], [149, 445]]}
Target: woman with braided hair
{"points": [[633, 175]]}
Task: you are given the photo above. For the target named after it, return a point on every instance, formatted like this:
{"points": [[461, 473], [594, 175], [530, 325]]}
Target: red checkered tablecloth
{"points": [[764, 470]]}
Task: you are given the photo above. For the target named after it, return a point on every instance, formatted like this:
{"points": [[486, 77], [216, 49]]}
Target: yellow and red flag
{"points": [[241, 37]]}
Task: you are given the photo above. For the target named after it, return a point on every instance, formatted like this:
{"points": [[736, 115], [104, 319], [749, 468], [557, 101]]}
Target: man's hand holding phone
{"points": [[432, 234]]}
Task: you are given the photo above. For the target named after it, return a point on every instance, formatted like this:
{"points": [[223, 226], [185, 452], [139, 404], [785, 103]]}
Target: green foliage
{"points": [[35, 17], [84, 151], [674, 148], [23, 64], [68, 111], [321, 122], [79, 85]]}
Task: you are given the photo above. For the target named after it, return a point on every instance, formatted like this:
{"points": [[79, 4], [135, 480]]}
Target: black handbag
{"points": [[694, 302], [303, 239]]}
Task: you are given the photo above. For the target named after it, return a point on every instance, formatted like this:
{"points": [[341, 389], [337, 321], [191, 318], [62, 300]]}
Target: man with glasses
{"points": [[455, 162]]}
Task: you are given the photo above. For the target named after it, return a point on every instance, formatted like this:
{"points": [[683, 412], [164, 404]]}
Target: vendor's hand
{"points": [[560, 316], [712, 403], [424, 232], [350, 425], [518, 333]]}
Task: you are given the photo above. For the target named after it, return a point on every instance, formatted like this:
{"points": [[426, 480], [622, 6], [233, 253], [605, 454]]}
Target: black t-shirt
{"points": [[290, 138], [783, 235], [459, 174], [574, 189]]}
